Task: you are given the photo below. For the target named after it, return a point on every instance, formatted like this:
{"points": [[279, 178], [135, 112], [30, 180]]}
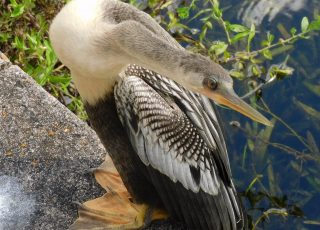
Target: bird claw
{"points": [[115, 212]]}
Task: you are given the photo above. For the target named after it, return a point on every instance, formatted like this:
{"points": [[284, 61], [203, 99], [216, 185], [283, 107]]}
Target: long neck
{"points": [[99, 46], [93, 89]]}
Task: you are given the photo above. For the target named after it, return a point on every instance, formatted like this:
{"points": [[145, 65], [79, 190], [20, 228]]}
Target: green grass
{"points": [[24, 39]]}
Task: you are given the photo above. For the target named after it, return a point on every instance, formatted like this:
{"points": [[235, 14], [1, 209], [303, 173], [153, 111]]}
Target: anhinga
{"points": [[141, 87]]}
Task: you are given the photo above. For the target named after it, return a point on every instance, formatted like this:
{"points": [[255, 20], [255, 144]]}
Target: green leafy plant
{"points": [[24, 38]]}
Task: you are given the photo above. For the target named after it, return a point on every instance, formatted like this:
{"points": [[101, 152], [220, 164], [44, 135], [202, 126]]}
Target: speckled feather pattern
{"points": [[173, 142], [176, 132]]}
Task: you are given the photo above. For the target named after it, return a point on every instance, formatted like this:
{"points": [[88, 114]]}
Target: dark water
{"points": [[290, 180], [285, 158]]}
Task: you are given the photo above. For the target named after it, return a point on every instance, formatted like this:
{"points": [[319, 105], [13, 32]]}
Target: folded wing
{"points": [[176, 133]]}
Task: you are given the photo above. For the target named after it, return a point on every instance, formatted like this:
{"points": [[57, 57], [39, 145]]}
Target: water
{"points": [[290, 179], [289, 175]]}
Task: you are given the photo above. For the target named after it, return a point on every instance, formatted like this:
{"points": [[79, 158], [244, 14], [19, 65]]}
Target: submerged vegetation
{"points": [[275, 189]]}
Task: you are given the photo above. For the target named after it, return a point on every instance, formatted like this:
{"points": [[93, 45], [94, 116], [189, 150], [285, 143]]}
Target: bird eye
{"points": [[210, 83]]}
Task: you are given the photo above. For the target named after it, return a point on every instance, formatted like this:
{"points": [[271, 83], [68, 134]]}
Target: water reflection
{"points": [[258, 10], [287, 171]]}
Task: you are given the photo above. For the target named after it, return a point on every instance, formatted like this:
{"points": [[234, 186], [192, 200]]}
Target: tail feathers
{"points": [[200, 211]]}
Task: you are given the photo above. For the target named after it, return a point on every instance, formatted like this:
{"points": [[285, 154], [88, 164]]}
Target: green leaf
{"points": [[32, 39], [312, 143], [281, 73], [218, 48], [255, 70], [313, 113], [237, 74], [203, 33], [152, 3], [242, 55], [315, 25], [59, 79], [17, 11], [168, 3], [226, 55], [293, 31], [237, 28], [13, 3], [208, 24], [51, 58], [19, 43], [216, 11], [183, 12], [264, 43], [239, 36], [193, 4], [4, 37], [295, 166], [304, 24], [200, 13], [315, 88], [251, 36], [267, 54], [273, 185], [313, 222], [244, 156], [270, 37], [258, 177]]}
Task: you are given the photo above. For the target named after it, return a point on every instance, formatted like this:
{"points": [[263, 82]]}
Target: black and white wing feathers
{"points": [[176, 132]]}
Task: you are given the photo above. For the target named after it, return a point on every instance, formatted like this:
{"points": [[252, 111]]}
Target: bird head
{"points": [[216, 84]]}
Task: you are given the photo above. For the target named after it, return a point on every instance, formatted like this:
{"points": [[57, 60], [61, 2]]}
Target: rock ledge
{"points": [[46, 153]]}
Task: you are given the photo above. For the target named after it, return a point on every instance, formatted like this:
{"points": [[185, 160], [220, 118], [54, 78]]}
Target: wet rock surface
{"points": [[46, 154]]}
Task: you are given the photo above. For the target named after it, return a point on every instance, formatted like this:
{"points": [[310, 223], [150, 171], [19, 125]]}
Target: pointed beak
{"points": [[230, 99]]}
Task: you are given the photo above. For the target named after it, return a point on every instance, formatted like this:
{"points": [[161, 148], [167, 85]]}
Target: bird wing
{"points": [[176, 132]]}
